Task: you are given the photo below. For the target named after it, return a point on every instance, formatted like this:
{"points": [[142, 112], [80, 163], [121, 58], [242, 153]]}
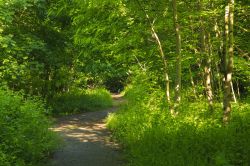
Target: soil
{"points": [[87, 141]]}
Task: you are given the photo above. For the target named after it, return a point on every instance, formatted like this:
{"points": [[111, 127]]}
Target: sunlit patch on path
{"points": [[87, 140]]}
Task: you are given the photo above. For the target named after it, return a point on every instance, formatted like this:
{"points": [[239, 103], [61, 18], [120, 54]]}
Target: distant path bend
{"points": [[87, 140]]}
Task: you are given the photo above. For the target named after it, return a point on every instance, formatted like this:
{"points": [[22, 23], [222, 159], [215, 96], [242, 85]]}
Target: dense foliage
{"points": [[25, 138], [81, 101], [179, 62], [37, 57], [152, 136]]}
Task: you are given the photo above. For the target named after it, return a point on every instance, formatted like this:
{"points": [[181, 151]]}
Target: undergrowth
{"points": [[25, 138], [195, 137], [81, 101]]}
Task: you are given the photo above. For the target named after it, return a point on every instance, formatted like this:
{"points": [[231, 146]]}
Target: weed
{"points": [[81, 101], [152, 137], [24, 135]]}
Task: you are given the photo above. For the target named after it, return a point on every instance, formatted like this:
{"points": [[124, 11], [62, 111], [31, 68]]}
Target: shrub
{"points": [[25, 138], [196, 136], [81, 101]]}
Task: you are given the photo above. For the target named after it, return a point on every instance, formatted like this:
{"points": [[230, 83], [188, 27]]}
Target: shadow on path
{"points": [[87, 140]]}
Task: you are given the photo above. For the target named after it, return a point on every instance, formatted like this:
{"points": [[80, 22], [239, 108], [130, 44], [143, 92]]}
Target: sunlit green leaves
{"points": [[24, 133]]}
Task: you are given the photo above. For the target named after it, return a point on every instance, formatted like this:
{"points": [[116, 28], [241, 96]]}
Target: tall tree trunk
{"points": [[208, 74], [225, 43], [207, 59], [164, 63], [178, 56], [219, 65], [227, 50], [195, 53], [229, 68], [158, 41]]}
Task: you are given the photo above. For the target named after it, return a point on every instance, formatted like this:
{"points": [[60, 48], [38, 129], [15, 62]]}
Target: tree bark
{"points": [[219, 65], [225, 43], [158, 42], [195, 53], [238, 89], [192, 82], [208, 74], [178, 56], [164, 62], [233, 93], [229, 68], [207, 59]]}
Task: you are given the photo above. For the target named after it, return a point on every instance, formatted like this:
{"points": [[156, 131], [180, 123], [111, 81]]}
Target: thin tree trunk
{"points": [[192, 82], [178, 54], [207, 59], [158, 41], [233, 93], [166, 77], [238, 89], [195, 52], [219, 81], [219, 65], [164, 62], [225, 43], [208, 75], [227, 92], [139, 63]]}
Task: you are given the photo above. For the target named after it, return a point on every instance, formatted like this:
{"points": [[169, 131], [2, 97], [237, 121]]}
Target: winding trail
{"points": [[87, 140]]}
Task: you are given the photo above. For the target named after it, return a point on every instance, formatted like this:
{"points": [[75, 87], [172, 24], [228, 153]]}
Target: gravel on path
{"points": [[87, 140]]}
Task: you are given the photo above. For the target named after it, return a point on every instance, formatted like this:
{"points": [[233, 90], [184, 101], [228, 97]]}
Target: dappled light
{"points": [[84, 135], [124, 82], [84, 131]]}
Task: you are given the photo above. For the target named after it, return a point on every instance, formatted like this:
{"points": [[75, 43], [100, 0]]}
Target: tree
{"points": [[178, 55], [206, 57], [229, 15], [162, 54]]}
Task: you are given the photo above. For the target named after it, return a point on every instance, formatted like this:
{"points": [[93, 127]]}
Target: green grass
{"points": [[25, 138], [81, 101], [196, 137]]}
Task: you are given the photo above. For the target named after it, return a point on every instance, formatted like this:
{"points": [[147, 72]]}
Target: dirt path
{"points": [[87, 141]]}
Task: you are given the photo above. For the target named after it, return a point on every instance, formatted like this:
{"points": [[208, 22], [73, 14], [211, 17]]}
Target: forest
{"points": [[182, 67]]}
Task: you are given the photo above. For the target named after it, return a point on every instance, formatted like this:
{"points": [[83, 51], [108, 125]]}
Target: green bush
{"points": [[25, 138], [81, 101], [152, 137]]}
